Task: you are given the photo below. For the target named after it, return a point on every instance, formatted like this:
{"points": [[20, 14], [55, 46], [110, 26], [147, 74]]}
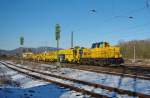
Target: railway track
{"points": [[74, 84], [123, 72], [134, 74], [119, 74]]}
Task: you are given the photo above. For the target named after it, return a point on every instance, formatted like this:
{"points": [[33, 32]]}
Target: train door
{"points": [[62, 57]]}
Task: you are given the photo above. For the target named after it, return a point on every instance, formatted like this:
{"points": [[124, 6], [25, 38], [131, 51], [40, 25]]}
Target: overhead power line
{"points": [[130, 28]]}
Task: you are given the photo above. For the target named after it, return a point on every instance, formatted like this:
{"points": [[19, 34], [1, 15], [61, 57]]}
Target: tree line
{"points": [[142, 49]]}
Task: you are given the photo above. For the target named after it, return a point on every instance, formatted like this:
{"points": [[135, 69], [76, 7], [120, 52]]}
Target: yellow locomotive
{"points": [[99, 54]]}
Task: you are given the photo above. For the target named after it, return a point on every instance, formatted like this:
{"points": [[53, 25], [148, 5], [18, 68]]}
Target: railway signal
{"points": [[21, 43], [21, 40], [57, 31], [57, 35]]}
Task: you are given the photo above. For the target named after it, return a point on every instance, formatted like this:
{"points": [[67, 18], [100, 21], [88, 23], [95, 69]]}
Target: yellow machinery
{"points": [[99, 54], [51, 56], [66, 55], [27, 55]]}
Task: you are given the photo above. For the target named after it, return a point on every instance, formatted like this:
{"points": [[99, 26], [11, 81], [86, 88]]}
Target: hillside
{"points": [[18, 51]]}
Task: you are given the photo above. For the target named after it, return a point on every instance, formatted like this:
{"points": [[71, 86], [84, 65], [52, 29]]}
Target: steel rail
{"points": [[120, 91], [117, 73]]}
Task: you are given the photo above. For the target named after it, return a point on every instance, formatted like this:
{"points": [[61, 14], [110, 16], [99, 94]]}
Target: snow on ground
{"points": [[33, 88], [127, 83], [138, 85]]}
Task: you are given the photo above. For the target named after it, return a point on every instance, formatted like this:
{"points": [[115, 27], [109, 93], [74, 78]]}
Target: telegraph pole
{"points": [[71, 39], [134, 53]]}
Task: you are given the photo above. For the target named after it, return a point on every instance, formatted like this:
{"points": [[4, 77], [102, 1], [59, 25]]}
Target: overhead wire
{"points": [[130, 28], [105, 21], [131, 33], [133, 11], [124, 15]]}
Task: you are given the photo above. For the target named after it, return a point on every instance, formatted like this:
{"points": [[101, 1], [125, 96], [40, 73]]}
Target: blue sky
{"points": [[36, 19]]}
